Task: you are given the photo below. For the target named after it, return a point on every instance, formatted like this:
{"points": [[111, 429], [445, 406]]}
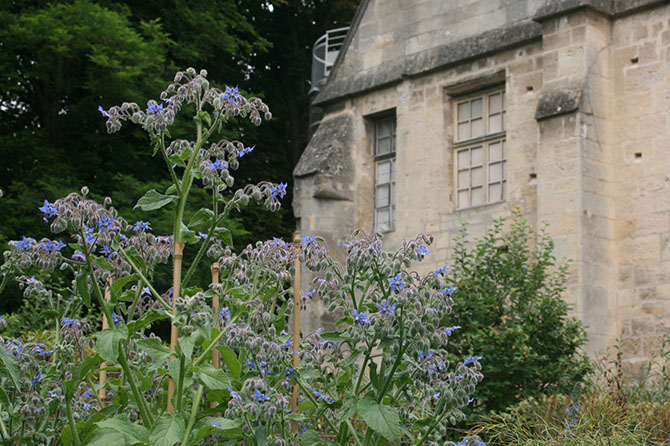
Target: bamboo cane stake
{"points": [[102, 392], [215, 306], [296, 329], [174, 332]]}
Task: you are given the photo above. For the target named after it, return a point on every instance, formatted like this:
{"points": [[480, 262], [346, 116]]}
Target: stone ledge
{"points": [[430, 60], [557, 103], [328, 150], [611, 8]]}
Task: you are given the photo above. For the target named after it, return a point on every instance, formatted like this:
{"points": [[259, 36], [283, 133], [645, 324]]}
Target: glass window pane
{"points": [[383, 196], [384, 128], [477, 128], [476, 156], [495, 103], [392, 194], [463, 179], [383, 172], [463, 130], [393, 169], [463, 159], [476, 177], [463, 111], [495, 123], [383, 220], [463, 199], [495, 172], [495, 192], [383, 146], [476, 108], [476, 196], [495, 152]]}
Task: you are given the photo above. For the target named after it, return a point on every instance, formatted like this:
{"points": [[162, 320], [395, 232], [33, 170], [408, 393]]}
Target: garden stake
{"points": [[296, 329], [174, 333], [215, 306], [102, 392]]}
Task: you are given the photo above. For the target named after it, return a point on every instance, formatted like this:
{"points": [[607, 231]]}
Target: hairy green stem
{"points": [[136, 299], [194, 412], [180, 384], [353, 432], [73, 426], [141, 404], [3, 428], [175, 180]]}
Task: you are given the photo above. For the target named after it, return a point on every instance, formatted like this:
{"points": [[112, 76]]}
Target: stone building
{"points": [[443, 111]]}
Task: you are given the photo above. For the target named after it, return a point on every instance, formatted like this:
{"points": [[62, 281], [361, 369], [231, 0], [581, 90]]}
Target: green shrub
{"points": [[510, 307]]}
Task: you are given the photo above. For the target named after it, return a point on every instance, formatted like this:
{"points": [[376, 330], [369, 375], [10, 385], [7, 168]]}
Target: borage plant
{"points": [[228, 374]]}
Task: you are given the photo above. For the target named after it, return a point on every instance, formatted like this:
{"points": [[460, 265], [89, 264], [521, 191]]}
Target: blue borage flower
{"points": [[323, 396], [218, 165], [202, 235], [441, 271], [386, 308], [224, 313], [108, 252], [51, 246], [231, 94], [471, 360], [290, 373], [88, 393], [258, 396], [234, 395], [437, 367], [397, 283], [360, 318], [309, 294], [117, 319], [449, 291], [146, 291], [105, 223], [154, 107], [54, 395], [49, 211], [103, 112], [215, 424], [287, 344], [89, 235], [142, 226], [449, 330], [32, 281], [424, 355], [25, 244], [278, 190], [422, 251], [245, 151], [308, 240], [250, 364], [37, 379], [67, 322], [78, 255]]}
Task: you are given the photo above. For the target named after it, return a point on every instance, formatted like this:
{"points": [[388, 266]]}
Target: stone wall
{"points": [[588, 144]]}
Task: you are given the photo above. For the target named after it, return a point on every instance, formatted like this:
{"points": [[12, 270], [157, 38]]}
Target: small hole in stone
{"points": [[635, 60], [529, 88], [638, 155], [533, 175]]}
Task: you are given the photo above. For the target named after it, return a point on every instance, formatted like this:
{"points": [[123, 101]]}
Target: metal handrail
{"points": [[324, 53]]}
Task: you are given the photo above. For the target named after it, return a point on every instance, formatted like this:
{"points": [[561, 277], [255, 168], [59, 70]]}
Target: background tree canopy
{"points": [[61, 59]]}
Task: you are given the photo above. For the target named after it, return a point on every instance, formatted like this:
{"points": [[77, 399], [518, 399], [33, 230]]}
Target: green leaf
{"points": [[310, 438], [261, 436], [4, 399], [348, 410], [167, 430], [382, 419], [224, 235], [215, 379], [118, 284], [186, 235], [9, 368], [133, 433], [202, 219], [103, 263], [108, 342], [154, 348], [107, 437], [153, 200], [230, 360], [82, 288], [147, 318]]}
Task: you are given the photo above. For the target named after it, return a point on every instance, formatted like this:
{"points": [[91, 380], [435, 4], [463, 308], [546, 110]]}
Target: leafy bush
{"points": [[510, 307]]}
